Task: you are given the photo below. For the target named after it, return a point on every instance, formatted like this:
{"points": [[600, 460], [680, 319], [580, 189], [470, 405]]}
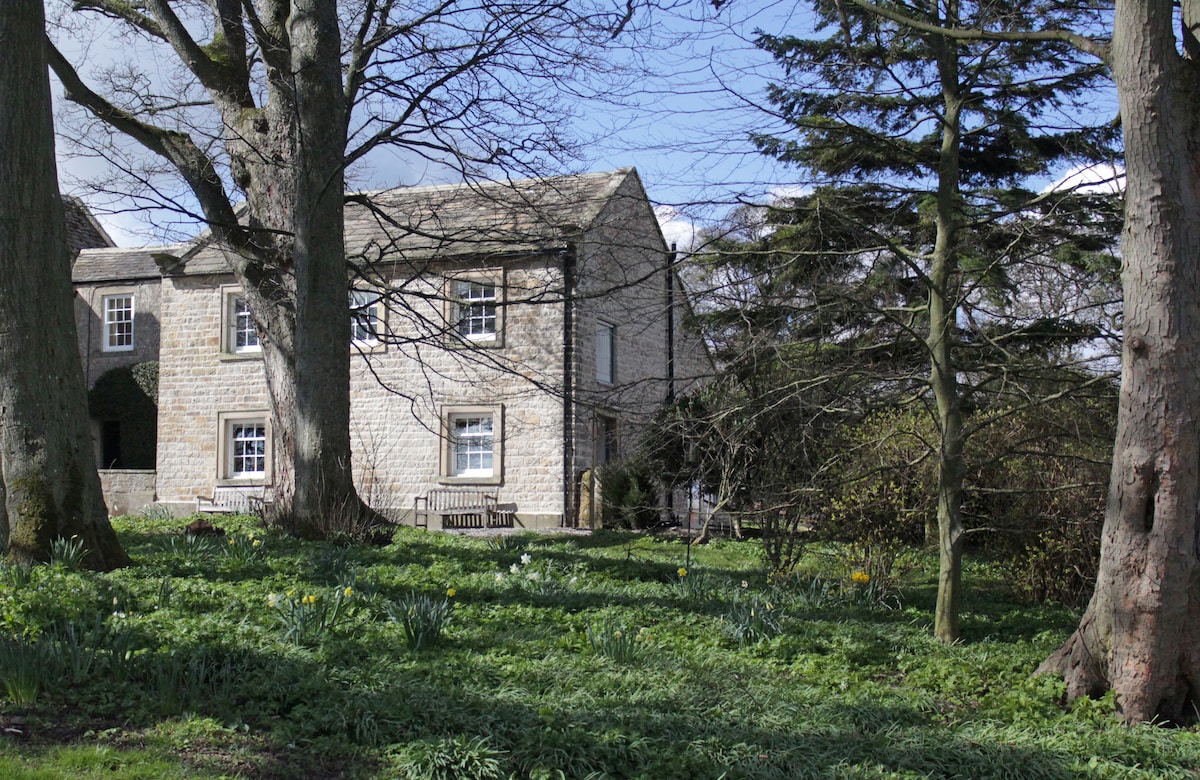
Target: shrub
{"points": [[308, 618], [613, 640], [423, 617], [752, 621], [451, 758]]}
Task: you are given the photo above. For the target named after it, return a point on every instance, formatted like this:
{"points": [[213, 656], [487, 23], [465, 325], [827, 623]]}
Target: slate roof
{"points": [[83, 231], [119, 265], [419, 224], [411, 224]]}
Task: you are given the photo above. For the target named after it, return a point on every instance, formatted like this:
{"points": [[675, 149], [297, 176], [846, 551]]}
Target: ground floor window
{"points": [[245, 447], [471, 447]]}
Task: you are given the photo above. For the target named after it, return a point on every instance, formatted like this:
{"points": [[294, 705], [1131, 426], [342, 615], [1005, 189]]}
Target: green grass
{"points": [[566, 657]]}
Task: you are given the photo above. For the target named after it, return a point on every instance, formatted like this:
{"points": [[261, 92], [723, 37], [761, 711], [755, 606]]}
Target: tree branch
{"points": [[177, 148], [1081, 42]]}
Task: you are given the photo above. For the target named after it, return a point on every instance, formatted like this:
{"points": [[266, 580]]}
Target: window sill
{"points": [[237, 357], [243, 481], [495, 479]]}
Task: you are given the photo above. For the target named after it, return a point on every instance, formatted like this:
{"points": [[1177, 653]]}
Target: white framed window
{"points": [[239, 336], [471, 445], [472, 442], [248, 449], [118, 322], [475, 309], [244, 450], [606, 353], [365, 318]]}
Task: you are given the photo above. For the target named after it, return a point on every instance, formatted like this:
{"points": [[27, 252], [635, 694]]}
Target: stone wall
{"points": [[89, 326], [400, 392], [126, 491]]}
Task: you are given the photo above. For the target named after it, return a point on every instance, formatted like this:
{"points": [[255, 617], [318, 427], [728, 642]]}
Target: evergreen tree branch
{"points": [[1081, 42]]}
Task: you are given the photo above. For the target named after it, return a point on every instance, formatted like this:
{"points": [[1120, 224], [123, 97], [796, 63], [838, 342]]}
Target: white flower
{"points": [[533, 575], [514, 568], [526, 559], [119, 615], [499, 577], [573, 580]]}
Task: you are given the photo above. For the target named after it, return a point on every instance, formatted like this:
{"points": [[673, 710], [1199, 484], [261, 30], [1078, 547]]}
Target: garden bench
{"points": [[234, 500], [455, 508]]}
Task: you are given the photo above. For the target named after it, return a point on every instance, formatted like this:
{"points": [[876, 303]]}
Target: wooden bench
{"points": [[234, 500], [455, 508]]}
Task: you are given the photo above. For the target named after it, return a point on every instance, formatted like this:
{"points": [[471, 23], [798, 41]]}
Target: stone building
{"points": [[507, 337]]}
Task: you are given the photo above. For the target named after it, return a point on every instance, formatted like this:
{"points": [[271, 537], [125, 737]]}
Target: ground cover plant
{"points": [[611, 655]]}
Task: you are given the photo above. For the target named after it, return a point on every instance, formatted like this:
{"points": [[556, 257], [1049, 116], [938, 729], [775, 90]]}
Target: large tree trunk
{"points": [[1140, 635], [48, 481], [288, 157], [324, 480]]}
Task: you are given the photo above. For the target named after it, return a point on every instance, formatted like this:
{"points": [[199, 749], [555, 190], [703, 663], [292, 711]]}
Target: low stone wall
{"points": [[126, 491]]}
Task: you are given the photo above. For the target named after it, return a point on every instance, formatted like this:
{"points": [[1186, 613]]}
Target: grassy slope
{"points": [[192, 676]]}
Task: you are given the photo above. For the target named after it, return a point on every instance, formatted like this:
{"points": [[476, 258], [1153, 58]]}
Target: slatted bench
{"points": [[455, 508], [234, 500]]}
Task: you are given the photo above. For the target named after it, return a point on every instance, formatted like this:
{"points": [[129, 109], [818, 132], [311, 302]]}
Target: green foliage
{"points": [[191, 549], [423, 617], [307, 618], [629, 495], [68, 554], [244, 549], [193, 668], [615, 641], [452, 758], [25, 668], [753, 620]]}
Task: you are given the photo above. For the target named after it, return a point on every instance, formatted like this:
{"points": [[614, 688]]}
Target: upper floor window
{"points": [[475, 309], [364, 318], [118, 322], [241, 335], [606, 353]]}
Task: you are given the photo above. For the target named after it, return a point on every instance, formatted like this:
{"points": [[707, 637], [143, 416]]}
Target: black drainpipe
{"points": [[671, 257], [568, 385], [671, 323]]}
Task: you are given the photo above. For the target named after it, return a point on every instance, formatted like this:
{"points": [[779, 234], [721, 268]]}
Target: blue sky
{"points": [[684, 125]]}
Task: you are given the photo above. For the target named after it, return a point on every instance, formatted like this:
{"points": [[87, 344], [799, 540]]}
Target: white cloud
{"points": [[1091, 179], [677, 229]]}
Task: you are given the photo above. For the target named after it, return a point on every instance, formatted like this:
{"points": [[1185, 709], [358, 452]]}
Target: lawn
{"points": [[612, 655]]}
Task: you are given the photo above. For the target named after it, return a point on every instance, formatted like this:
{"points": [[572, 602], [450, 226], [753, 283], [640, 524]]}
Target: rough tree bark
{"points": [[285, 144], [1140, 635], [49, 487]]}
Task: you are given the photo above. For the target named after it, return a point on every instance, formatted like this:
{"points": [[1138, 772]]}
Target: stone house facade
{"points": [[506, 338]]}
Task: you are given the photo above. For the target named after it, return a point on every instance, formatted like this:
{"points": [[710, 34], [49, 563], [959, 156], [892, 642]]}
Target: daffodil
{"points": [[257, 543], [682, 572], [272, 599], [514, 569], [861, 577], [348, 592], [526, 558], [450, 592]]}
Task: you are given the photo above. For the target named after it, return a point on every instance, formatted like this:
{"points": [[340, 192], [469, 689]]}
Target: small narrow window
{"points": [[475, 309], [364, 318], [606, 440], [243, 335], [606, 354], [118, 323]]}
